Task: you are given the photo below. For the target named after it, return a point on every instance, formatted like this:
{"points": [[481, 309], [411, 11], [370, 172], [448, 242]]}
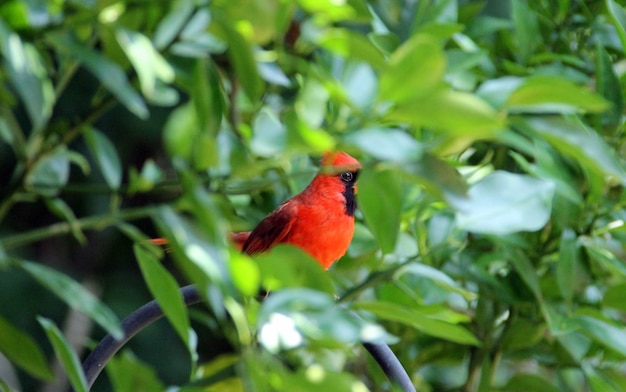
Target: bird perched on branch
{"points": [[320, 219]]}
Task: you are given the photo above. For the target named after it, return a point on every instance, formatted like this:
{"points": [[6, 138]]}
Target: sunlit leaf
{"points": [[288, 266], [153, 70], [245, 273], [172, 24], [504, 203], [269, 135], [351, 45], [388, 144], [452, 112], [290, 317], [311, 102], [550, 94], [414, 70]]}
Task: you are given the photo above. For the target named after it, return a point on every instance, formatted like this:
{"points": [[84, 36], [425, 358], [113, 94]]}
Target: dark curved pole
{"points": [[138, 320], [150, 312]]}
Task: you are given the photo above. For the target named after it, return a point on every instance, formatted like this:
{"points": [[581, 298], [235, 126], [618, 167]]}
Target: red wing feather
{"points": [[272, 230]]}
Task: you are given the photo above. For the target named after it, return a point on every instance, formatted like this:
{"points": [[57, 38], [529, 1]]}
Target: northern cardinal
{"points": [[319, 220]]}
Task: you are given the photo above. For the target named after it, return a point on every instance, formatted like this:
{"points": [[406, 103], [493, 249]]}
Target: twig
{"points": [[61, 228]]}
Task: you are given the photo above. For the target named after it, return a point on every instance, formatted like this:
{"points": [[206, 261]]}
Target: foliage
{"points": [[489, 247]]}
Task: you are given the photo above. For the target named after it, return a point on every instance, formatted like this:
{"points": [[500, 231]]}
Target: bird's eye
{"points": [[347, 176]]}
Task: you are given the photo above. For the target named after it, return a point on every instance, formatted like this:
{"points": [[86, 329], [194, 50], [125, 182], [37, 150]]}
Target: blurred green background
{"points": [[489, 248]]}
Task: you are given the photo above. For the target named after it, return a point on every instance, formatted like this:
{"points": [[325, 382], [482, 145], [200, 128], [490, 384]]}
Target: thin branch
{"points": [[62, 228]]}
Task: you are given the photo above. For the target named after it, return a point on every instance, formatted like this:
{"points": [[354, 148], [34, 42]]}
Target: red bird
{"points": [[319, 220]]}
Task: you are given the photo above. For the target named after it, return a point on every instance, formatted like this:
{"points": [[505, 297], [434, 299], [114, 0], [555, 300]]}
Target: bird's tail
{"points": [[238, 239]]}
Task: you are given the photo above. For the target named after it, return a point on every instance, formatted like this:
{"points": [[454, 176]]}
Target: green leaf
{"points": [[617, 15], [312, 102], [614, 297], [381, 210], [414, 70], [436, 276], [22, 350], [437, 176], [327, 11], [453, 112], [389, 144], [412, 317], [576, 344], [269, 136], [106, 156], [551, 94], [289, 266], [240, 53], [606, 334], [207, 96], [153, 70], [65, 354], [288, 317], [61, 209], [181, 131], [526, 29], [49, 173], [166, 291], [108, 72], [75, 296], [572, 138], [127, 373], [245, 273], [27, 73], [172, 24], [597, 381], [609, 86], [526, 270], [566, 268], [605, 257], [145, 181], [351, 45], [522, 334], [504, 203], [524, 382]]}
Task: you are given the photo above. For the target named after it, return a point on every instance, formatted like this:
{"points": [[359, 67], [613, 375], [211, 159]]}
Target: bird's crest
{"points": [[338, 161]]}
